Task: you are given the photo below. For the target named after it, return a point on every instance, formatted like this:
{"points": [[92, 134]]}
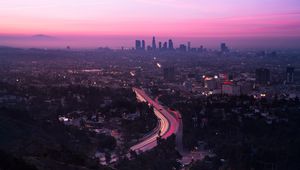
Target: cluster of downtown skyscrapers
{"points": [[140, 45]]}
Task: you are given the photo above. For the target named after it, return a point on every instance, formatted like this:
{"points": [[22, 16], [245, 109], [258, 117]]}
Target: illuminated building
{"points": [[231, 89]]}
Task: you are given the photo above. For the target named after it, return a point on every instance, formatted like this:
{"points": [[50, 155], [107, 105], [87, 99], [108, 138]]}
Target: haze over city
{"points": [[114, 23], [150, 85]]}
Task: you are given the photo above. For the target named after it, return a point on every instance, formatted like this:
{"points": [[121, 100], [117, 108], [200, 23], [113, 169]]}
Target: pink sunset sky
{"points": [[144, 18]]}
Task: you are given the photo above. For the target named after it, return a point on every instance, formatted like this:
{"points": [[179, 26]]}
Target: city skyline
{"points": [[150, 84], [119, 42]]}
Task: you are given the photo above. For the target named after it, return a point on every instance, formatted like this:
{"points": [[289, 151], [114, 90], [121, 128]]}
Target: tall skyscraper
{"points": [[143, 45], [159, 45], [171, 46], [153, 44], [165, 46], [224, 48], [149, 47], [290, 73], [138, 44], [189, 46], [182, 47], [200, 49], [263, 76]]}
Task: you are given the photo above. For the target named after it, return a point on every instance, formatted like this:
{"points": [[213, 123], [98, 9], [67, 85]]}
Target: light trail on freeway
{"points": [[168, 124]]}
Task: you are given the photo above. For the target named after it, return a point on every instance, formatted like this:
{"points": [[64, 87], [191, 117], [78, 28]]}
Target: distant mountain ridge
{"points": [[42, 36]]}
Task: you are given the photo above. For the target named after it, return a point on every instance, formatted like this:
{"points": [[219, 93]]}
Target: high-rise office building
{"points": [[153, 43], [159, 45], [143, 45], [189, 46], [224, 48], [165, 46], [200, 49], [263, 76], [171, 45], [290, 74], [138, 44], [231, 89], [210, 83], [182, 47], [149, 47]]}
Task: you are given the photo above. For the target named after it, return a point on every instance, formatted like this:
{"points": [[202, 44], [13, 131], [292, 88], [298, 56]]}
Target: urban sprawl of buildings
{"points": [[89, 93]]}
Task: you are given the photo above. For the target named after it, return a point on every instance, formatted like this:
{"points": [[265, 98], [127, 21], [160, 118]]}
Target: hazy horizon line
{"points": [[117, 41]]}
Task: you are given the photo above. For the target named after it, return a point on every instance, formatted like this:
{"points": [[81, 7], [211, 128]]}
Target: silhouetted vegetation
{"points": [[242, 131], [162, 157]]}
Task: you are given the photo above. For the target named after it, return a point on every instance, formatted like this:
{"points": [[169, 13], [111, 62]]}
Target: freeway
{"points": [[168, 124]]}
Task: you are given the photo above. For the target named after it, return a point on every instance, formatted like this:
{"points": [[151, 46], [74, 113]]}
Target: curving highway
{"points": [[168, 124]]}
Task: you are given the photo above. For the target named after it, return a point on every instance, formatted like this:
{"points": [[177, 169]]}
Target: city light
{"points": [[132, 73], [63, 119], [150, 84], [158, 65]]}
